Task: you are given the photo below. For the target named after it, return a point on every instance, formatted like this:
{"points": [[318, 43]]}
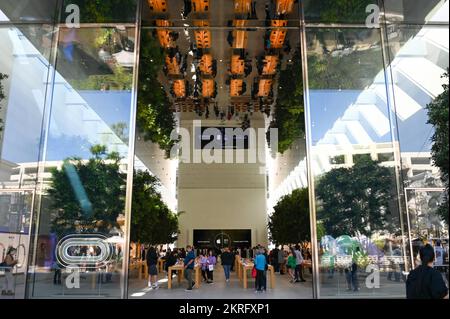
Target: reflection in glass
{"points": [[24, 68], [355, 190], [86, 155]]}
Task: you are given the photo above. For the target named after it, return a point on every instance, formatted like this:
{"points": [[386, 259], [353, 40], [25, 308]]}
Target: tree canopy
{"points": [[87, 196], [152, 222], [357, 199], [289, 223], [288, 116], [155, 119], [438, 116], [98, 11], [346, 11]]}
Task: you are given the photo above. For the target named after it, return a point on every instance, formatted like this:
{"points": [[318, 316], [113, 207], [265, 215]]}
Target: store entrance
{"points": [[219, 130]]}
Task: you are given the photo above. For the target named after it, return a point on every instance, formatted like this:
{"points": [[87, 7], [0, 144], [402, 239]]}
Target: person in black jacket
{"points": [[152, 261], [425, 282], [227, 259]]}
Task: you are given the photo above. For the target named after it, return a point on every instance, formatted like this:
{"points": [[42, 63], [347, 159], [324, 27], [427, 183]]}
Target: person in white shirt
{"points": [[439, 254], [299, 266]]}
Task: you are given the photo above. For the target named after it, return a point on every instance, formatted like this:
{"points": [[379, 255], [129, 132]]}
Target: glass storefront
{"points": [[90, 96]]}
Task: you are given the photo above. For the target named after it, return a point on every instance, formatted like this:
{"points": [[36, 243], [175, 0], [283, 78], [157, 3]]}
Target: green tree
{"points": [[356, 199], [438, 116], [152, 222], [288, 117], [101, 11], [155, 119], [289, 223], [346, 11], [87, 195], [2, 96]]}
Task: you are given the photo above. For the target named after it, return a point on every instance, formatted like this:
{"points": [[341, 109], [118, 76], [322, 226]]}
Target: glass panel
{"points": [[28, 10], [419, 59], [105, 11], [343, 11], [80, 243], [24, 69], [215, 66], [416, 11], [361, 245]]}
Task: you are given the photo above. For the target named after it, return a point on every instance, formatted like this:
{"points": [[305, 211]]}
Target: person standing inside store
{"points": [[281, 260], [203, 260], [211, 262], [227, 260], [189, 262], [274, 259], [152, 262], [291, 264], [299, 264], [8, 264], [425, 282], [260, 265]]}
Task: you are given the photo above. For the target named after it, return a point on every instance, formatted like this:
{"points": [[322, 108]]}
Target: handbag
{"points": [[254, 272], [210, 267]]}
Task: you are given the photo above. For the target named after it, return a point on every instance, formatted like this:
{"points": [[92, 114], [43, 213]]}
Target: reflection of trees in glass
{"points": [[289, 110], [155, 119], [289, 223], [356, 200], [120, 129], [88, 196], [2, 96], [152, 222], [345, 11], [120, 80], [356, 70], [105, 10], [423, 207], [439, 116]]}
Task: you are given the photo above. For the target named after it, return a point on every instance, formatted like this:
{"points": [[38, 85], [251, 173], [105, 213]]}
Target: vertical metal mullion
{"points": [[131, 150], [45, 131], [310, 176], [395, 134]]}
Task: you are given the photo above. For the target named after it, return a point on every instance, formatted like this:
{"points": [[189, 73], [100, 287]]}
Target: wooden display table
{"points": [[242, 6], [285, 6], [244, 267], [180, 273], [161, 265]]}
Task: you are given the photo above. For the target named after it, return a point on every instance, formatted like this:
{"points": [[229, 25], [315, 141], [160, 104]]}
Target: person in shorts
{"points": [[152, 262]]}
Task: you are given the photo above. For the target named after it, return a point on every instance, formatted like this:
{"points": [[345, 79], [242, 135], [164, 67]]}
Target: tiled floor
{"points": [[220, 289], [335, 287]]}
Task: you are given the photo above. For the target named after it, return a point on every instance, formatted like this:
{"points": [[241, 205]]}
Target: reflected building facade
{"points": [[86, 107]]}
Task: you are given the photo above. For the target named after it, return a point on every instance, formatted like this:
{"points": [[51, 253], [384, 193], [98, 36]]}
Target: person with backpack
{"points": [[425, 282], [8, 264]]}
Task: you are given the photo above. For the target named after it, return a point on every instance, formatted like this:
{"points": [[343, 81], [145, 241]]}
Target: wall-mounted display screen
{"points": [[221, 138], [220, 238]]}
